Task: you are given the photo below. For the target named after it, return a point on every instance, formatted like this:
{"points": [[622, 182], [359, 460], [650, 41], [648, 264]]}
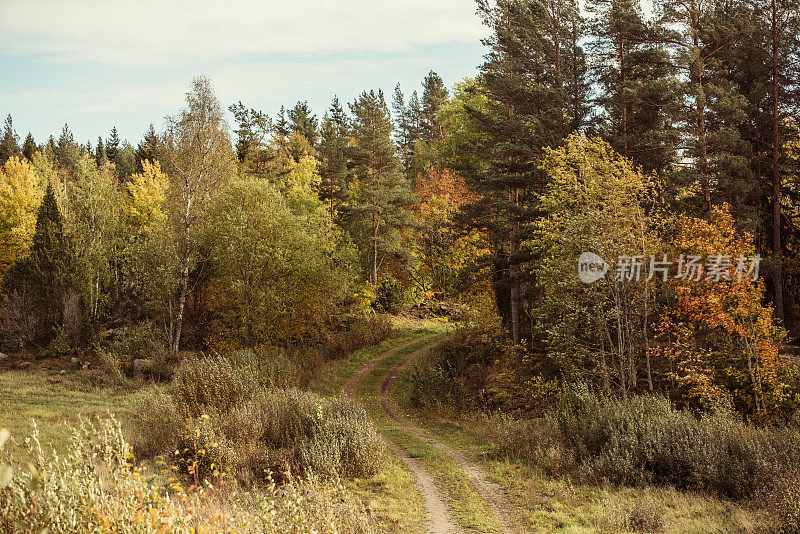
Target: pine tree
{"points": [[638, 84], [29, 148], [112, 144], [698, 35], [407, 131], [304, 122], [253, 131], [9, 145], [333, 146], [384, 192], [434, 94], [147, 150], [525, 80], [282, 128]]}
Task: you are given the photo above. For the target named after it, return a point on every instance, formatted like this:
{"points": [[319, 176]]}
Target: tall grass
{"points": [[96, 488], [646, 440], [258, 428]]}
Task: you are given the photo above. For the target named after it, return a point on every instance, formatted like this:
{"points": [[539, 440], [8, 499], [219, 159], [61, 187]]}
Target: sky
{"points": [[98, 64]]}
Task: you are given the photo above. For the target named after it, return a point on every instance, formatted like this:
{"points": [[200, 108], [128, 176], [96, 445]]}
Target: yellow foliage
{"points": [[21, 193], [148, 193]]}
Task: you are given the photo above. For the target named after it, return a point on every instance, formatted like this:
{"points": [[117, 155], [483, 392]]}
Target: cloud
{"points": [[160, 33]]}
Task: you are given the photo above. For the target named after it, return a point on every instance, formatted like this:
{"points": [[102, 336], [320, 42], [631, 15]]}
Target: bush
{"points": [[213, 383], [258, 428], [346, 443], [647, 440], [355, 334], [143, 342], [157, 424], [96, 488]]}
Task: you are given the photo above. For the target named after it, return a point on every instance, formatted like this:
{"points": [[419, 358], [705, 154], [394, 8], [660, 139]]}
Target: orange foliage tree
{"points": [[719, 341], [443, 252]]}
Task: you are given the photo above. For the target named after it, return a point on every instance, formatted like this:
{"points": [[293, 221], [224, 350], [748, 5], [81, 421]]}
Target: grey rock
{"points": [[140, 367]]}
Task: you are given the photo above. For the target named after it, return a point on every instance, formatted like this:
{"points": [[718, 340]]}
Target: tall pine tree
{"points": [[379, 207]]}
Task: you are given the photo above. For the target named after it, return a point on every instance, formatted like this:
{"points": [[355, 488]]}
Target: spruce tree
{"points": [[46, 274], [112, 144], [147, 150], [67, 151], [100, 153], [9, 145], [384, 193], [333, 146], [29, 147]]}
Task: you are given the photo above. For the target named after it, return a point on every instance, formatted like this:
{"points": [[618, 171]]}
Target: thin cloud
{"points": [[160, 33]]}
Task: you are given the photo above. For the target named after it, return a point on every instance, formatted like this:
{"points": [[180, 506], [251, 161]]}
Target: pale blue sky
{"points": [[96, 64]]}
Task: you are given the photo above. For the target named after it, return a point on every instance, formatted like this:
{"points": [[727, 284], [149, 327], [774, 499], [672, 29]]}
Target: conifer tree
{"points": [[100, 153], [304, 122], [333, 147], [407, 131], [67, 151], [9, 145], [384, 193], [147, 149], [638, 87], [46, 274], [434, 94], [524, 80], [29, 147], [112, 144]]}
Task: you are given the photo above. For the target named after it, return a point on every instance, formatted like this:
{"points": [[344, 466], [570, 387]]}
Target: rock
{"points": [[140, 367], [3, 356], [74, 360], [62, 372], [24, 365]]}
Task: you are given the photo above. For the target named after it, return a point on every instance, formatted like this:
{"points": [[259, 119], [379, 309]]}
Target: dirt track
{"points": [[439, 517]]}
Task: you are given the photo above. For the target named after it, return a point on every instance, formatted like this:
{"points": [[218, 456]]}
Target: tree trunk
{"points": [[513, 249], [776, 176], [700, 108], [176, 340]]}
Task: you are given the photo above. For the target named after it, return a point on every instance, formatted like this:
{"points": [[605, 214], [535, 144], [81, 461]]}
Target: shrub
{"points": [[156, 423], [346, 443], [257, 428], [95, 488], [143, 342], [647, 440], [213, 383], [355, 334]]}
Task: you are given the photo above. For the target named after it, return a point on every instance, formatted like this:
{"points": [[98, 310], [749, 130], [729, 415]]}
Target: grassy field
{"points": [[54, 402]]}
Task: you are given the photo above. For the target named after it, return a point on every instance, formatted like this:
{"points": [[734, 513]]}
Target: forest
{"points": [[278, 305]]}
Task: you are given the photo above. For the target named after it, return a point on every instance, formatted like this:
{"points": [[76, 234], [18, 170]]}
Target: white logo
{"points": [[591, 267]]}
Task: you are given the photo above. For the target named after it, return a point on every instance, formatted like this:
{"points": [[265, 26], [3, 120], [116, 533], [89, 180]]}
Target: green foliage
{"points": [[276, 279], [40, 284], [381, 193]]}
